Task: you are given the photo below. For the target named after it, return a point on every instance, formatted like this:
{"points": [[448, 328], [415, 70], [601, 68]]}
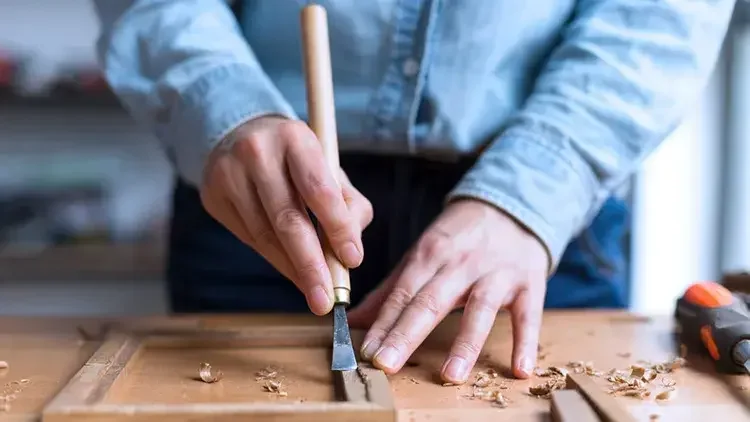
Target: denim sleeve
{"points": [[619, 81], [185, 72]]}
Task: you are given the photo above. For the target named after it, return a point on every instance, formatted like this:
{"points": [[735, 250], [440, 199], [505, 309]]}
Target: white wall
{"points": [[676, 195]]}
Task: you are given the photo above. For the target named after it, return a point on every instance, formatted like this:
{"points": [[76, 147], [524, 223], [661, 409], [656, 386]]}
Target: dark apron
{"points": [[209, 270]]}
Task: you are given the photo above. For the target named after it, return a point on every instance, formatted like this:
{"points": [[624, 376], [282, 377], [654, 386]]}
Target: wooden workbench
{"points": [[49, 351]]}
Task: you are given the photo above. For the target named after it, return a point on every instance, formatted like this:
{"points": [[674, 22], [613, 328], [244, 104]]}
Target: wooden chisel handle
{"points": [[322, 120]]}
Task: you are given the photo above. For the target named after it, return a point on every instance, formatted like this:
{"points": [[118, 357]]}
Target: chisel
{"points": [[322, 120]]}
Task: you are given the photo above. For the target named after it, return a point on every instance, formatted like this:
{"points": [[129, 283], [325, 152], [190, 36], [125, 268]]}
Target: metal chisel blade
{"points": [[343, 352]]}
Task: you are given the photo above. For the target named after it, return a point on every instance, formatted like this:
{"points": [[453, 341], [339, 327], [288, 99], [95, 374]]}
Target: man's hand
{"points": [[258, 184], [473, 256]]}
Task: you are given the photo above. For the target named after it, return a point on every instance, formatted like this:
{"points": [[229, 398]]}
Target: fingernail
{"points": [[369, 349], [455, 369], [387, 357], [350, 254], [526, 365], [319, 301]]}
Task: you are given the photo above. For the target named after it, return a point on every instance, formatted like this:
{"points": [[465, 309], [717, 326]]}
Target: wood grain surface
{"points": [[50, 356]]}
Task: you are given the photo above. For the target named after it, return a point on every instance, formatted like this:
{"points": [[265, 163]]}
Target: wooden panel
{"points": [[571, 406], [47, 359], [609, 339], [157, 378]]}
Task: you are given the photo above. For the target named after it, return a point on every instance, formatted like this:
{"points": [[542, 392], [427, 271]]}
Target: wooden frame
{"points": [[363, 395]]}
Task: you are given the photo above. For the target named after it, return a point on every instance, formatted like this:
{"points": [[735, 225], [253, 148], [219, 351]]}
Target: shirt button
{"points": [[411, 67]]}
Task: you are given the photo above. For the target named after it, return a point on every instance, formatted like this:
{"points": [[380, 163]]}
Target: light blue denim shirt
{"points": [[562, 99]]}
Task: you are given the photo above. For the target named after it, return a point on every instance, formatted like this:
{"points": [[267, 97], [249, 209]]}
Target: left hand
{"points": [[473, 256]]}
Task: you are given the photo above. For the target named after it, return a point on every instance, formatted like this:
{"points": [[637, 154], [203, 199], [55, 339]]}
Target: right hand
{"points": [[258, 183]]}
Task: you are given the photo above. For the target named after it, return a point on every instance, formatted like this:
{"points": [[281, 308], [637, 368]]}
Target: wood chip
{"points": [[666, 395], [482, 380], [207, 375], [272, 386], [500, 400], [3, 364], [545, 390], [637, 371], [266, 374]]}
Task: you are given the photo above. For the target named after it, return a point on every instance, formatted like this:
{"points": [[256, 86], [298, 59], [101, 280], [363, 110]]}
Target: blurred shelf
{"points": [[86, 262]]}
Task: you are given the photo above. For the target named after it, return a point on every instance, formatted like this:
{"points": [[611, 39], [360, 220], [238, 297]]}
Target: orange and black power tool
{"points": [[711, 316]]}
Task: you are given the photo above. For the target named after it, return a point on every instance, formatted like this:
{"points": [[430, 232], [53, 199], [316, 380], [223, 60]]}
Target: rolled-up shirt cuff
{"points": [[216, 103], [543, 186]]}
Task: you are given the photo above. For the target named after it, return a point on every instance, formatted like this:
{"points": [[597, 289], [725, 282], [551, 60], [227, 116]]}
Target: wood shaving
{"points": [[266, 374], [492, 373], [482, 380], [272, 386], [666, 395], [207, 375], [552, 371], [3, 364], [668, 382], [581, 367], [637, 371], [545, 390], [449, 384], [413, 380], [499, 400], [637, 379], [11, 389]]}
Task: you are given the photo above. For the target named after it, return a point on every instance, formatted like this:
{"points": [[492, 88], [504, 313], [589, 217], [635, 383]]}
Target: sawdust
{"points": [[271, 382], [10, 392]]}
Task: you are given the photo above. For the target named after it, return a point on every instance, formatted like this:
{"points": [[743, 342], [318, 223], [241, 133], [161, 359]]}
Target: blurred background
{"points": [[84, 193]]}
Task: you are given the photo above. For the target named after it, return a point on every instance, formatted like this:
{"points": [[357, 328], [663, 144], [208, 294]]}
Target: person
{"points": [[482, 145]]}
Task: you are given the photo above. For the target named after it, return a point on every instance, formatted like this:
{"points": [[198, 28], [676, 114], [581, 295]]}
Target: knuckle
{"points": [[427, 302], [466, 349], [263, 236], [400, 297], [310, 271], [251, 147], [290, 220], [482, 302], [433, 246], [399, 340], [292, 130]]}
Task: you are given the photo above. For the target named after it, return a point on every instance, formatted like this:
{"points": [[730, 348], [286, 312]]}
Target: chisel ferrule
{"points": [[341, 296]]}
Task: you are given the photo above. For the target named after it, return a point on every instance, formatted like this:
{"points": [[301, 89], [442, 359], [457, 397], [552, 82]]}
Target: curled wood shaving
{"points": [[482, 380], [266, 374], [666, 395], [552, 371], [273, 386], [545, 390], [207, 375], [499, 400]]}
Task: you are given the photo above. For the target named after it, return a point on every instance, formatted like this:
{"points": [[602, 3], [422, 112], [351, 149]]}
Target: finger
{"points": [[428, 307], [482, 305], [364, 314], [417, 268], [407, 282], [358, 205], [526, 315], [294, 230], [316, 183]]}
